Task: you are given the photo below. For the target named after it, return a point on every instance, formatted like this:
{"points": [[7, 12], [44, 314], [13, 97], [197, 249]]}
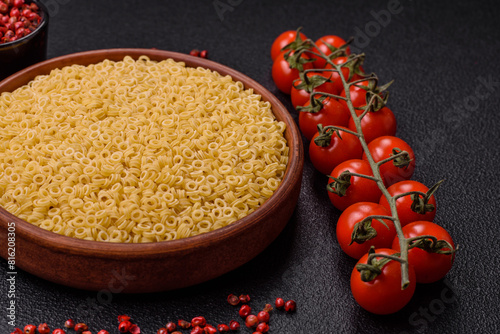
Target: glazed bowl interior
{"points": [[162, 265]]}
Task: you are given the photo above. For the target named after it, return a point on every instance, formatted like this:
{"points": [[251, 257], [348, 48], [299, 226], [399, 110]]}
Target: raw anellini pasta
{"points": [[137, 151]]}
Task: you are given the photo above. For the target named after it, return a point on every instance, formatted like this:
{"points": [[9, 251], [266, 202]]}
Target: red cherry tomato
{"points": [[283, 75], [301, 96], [335, 76], [429, 266], [383, 295], [381, 148], [376, 123], [355, 214], [325, 159], [357, 94], [360, 190], [403, 204], [322, 42], [283, 40], [332, 113]]}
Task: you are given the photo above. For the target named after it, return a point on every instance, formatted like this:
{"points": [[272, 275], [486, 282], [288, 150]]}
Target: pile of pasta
{"points": [[137, 151]]}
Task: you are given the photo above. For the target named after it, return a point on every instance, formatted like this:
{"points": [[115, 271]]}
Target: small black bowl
{"points": [[26, 51]]}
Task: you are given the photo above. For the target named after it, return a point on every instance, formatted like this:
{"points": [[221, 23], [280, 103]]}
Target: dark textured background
{"points": [[443, 58]]}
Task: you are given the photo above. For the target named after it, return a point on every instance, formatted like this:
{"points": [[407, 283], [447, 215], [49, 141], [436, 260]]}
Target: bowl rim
{"points": [[92, 248], [45, 21]]}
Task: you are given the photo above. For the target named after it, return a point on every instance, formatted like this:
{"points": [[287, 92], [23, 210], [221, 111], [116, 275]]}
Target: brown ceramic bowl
{"points": [[167, 265]]}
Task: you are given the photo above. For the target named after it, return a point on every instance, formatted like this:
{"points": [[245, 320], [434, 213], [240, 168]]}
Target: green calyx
{"points": [[295, 60], [340, 184], [314, 106], [308, 83], [325, 135], [402, 159], [432, 245], [369, 271], [363, 231], [420, 203], [296, 48], [354, 65], [376, 96]]}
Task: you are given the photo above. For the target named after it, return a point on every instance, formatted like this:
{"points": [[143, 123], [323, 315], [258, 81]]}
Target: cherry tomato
{"points": [[283, 40], [383, 294], [357, 94], [322, 42], [382, 148], [376, 123], [301, 96], [360, 190], [283, 75], [429, 266], [403, 204], [325, 159], [335, 76], [332, 113], [355, 214]]}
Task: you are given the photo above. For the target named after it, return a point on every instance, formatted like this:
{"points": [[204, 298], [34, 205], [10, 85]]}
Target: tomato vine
{"points": [[361, 94]]}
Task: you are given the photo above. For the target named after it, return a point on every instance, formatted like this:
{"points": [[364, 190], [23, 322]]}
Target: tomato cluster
{"points": [[351, 134]]}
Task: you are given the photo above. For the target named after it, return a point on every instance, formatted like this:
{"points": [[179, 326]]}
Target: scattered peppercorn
{"points": [[134, 329], [69, 323], [80, 327], [209, 329], [183, 324], [122, 318], [29, 329], [171, 326], [263, 316], [233, 299], [124, 326], [197, 330], [279, 303], [290, 306], [267, 308], [262, 327], [198, 321], [58, 331], [234, 325], [198, 324], [251, 321], [244, 299], [244, 311], [43, 329], [197, 53], [223, 328]]}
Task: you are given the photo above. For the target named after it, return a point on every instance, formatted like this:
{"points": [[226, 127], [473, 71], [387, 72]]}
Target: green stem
{"points": [[396, 197], [403, 258], [364, 176], [391, 257], [313, 94], [381, 162], [339, 128], [412, 244]]}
